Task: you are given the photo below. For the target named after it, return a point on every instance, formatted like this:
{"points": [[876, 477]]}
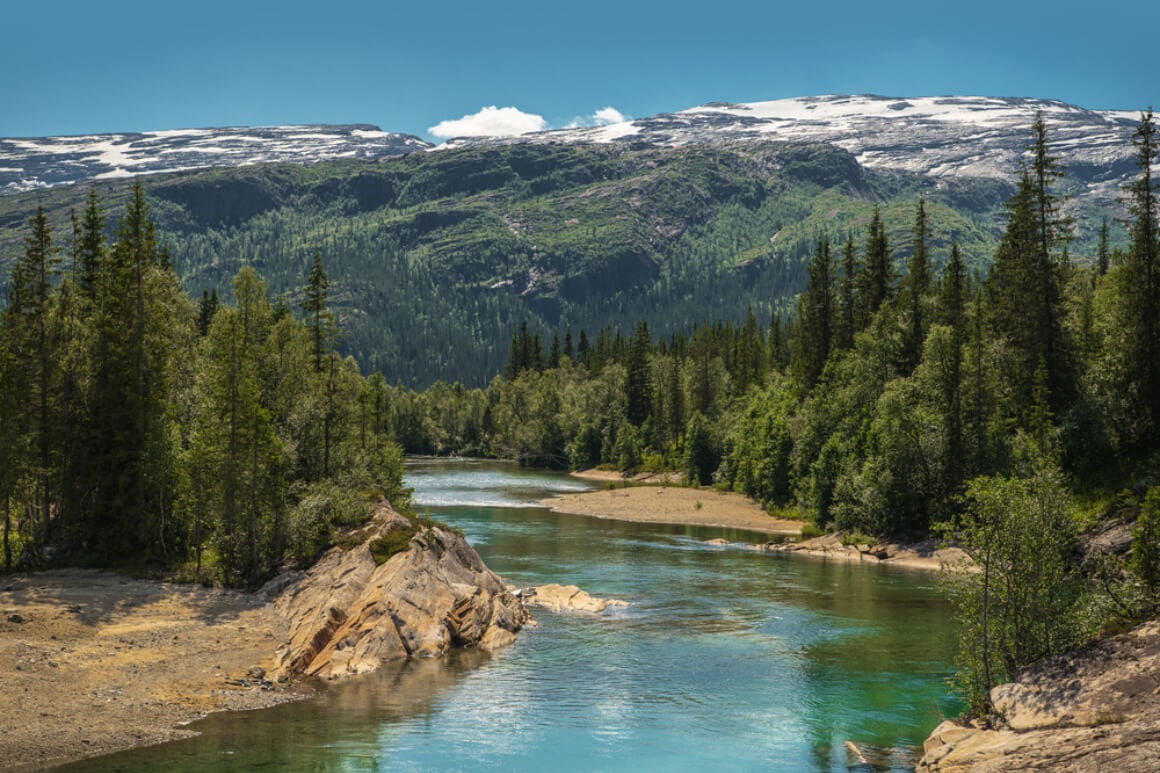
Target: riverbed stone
{"points": [[568, 598]]}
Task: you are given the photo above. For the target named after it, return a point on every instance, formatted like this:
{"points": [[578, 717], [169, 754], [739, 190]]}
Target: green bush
{"points": [[811, 530]]}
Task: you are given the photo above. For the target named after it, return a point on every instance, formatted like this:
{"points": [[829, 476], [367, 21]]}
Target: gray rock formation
{"points": [[1094, 710], [348, 613]]}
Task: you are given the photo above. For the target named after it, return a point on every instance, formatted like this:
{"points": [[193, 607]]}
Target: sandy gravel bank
{"points": [[709, 507], [92, 662], [612, 476], [674, 504]]}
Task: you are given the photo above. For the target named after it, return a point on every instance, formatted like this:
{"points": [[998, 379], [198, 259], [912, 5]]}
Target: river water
{"points": [[725, 659]]}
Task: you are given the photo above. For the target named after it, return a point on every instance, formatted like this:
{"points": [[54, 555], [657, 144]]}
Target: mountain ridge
{"points": [[942, 137]]}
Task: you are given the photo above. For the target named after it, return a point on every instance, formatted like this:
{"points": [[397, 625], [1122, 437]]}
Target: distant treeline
{"points": [[143, 430]]}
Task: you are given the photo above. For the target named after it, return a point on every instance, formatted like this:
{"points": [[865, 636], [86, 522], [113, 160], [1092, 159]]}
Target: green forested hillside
{"points": [[436, 257]]}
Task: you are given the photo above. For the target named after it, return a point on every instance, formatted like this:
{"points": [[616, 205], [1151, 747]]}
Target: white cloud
{"points": [[602, 117], [491, 121], [608, 115]]}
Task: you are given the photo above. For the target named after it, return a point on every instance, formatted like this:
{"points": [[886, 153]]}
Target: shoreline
{"points": [[675, 505], [93, 662], [683, 506]]}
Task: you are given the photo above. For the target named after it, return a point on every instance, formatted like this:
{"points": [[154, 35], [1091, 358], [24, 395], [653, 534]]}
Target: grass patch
{"points": [[393, 542]]}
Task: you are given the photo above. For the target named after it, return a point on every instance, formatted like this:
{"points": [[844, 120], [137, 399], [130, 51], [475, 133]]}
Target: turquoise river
{"points": [[724, 659]]}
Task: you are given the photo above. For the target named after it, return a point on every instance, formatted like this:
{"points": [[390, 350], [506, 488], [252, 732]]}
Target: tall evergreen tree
{"points": [[953, 307], [1142, 288], [847, 297], [33, 355], [319, 319], [1102, 254], [639, 387], [90, 248], [917, 286], [878, 277], [816, 317]]}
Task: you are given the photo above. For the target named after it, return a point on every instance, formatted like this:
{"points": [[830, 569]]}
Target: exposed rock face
{"points": [[347, 615], [1095, 710], [567, 598]]}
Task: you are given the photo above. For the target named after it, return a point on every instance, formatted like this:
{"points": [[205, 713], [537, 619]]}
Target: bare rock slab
{"points": [[349, 614]]}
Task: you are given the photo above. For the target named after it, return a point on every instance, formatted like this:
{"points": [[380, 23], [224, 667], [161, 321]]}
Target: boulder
{"points": [[349, 613], [567, 598]]}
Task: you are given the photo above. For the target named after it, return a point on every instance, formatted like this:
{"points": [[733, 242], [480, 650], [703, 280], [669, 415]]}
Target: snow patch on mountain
{"points": [[29, 163], [937, 136]]}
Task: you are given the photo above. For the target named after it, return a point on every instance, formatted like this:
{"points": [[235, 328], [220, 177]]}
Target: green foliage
{"points": [[811, 531], [139, 432], [393, 542], [1022, 602], [701, 458], [1146, 541]]}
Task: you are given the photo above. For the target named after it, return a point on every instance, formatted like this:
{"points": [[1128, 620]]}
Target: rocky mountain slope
{"points": [[942, 137], [39, 162]]}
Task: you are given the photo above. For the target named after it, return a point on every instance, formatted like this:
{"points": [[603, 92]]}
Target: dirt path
{"points": [[92, 662], [674, 504]]}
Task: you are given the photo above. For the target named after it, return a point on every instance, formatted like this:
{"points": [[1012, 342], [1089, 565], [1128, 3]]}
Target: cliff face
{"points": [[348, 614], [1093, 710]]}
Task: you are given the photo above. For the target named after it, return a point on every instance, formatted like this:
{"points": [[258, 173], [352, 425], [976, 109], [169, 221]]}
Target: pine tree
{"points": [[639, 387], [90, 248], [952, 305], [33, 355], [877, 283], [1052, 232], [554, 352], [816, 317], [917, 286], [1026, 285], [1102, 254], [847, 297], [1142, 288], [318, 317], [206, 310]]}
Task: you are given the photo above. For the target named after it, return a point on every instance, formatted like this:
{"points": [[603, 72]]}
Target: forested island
{"points": [[1014, 413]]}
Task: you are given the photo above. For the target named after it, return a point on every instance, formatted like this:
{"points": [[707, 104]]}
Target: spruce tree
{"points": [[639, 387], [90, 248], [878, 279], [1142, 288], [816, 317], [33, 355], [917, 287], [318, 317], [1102, 255], [847, 296]]}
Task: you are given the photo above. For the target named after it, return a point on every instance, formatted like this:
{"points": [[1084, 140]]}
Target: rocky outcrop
{"points": [[567, 598], [930, 554], [349, 613], [1094, 710]]}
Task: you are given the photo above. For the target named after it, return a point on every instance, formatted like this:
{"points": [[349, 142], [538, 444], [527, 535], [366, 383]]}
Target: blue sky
{"points": [[81, 67]]}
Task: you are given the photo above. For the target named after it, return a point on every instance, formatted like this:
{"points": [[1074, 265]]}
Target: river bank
{"points": [[674, 505], [726, 509], [1097, 709], [91, 662]]}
